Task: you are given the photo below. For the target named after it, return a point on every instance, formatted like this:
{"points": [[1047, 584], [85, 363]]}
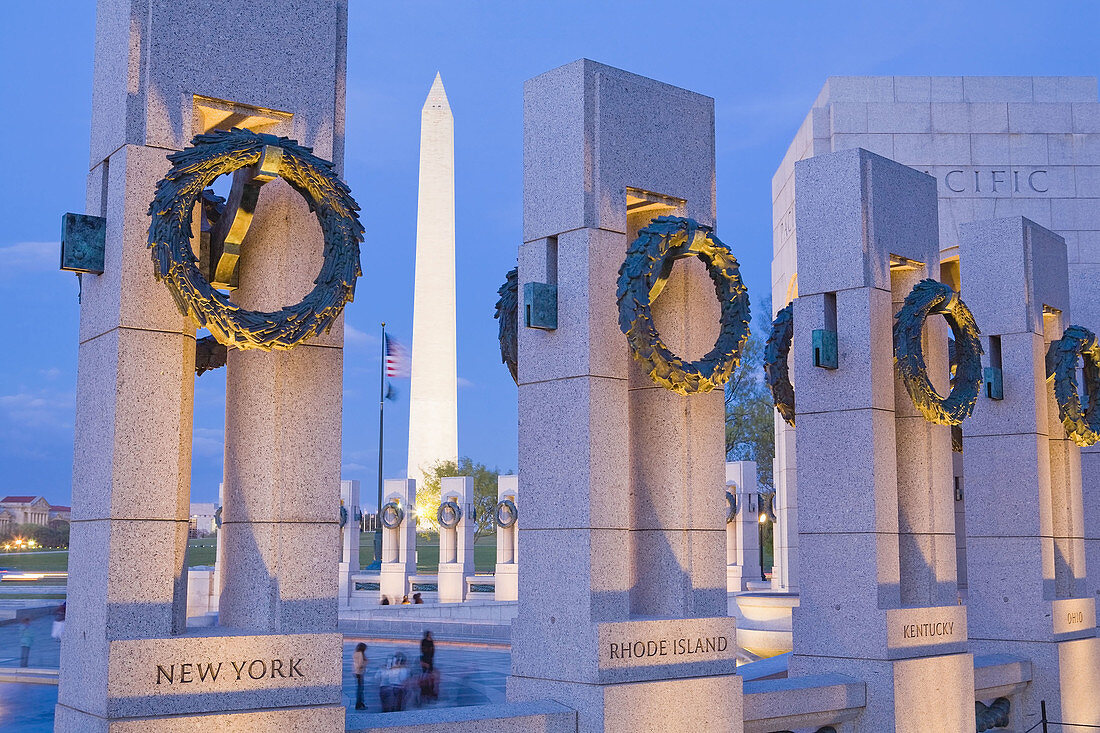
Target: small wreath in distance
{"points": [[930, 297], [507, 312], [731, 507], [642, 276], [193, 170], [343, 516], [449, 514], [1082, 426], [777, 352], [507, 514], [392, 515]]}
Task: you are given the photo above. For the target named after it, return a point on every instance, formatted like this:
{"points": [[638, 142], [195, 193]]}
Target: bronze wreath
{"points": [[391, 515], [648, 264], [508, 508], [930, 297], [507, 311], [195, 168], [777, 374], [1082, 426], [343, 516], [731, 506], [449, 514]]}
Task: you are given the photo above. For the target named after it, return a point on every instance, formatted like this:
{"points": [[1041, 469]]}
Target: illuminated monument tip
{"points": [[433, 409], [437, 99]]}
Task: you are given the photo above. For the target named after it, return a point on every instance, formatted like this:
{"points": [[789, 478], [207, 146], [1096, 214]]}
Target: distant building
{"points": [[30, 510], [202, 519]]}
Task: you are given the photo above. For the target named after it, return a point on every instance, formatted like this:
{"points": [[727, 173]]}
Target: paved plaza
{"points": [[470, 674]]}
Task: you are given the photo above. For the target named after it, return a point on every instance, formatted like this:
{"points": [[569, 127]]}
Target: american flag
{"points": [[398, 362]]}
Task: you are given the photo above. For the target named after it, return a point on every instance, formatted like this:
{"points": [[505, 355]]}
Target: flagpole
{"points": [[381, 407]]}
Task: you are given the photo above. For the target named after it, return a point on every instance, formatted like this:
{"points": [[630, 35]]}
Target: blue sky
{"points": [[763, 62]]}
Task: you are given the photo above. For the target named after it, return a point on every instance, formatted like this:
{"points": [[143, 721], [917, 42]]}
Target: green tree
{"points": [[485, 494], [56, 535], [750, 422]]}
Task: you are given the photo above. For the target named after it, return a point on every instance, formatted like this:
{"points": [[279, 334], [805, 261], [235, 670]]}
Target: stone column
{"points": [[398, 543], [161, 76], [624, 530], [219, 551], [456, 544], [1024, 510], [743, 533], [349, 539], [506, 575], [877, 581]]}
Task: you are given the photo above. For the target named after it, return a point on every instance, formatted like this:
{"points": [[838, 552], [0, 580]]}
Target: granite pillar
{"points": [[506, 575], [161, 77], [349, 539], [456, 544], [1024, 514], [877, 580], [398, 543], [743, 532], [624, 532]]}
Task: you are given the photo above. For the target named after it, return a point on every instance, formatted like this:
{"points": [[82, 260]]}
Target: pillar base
{"points": [[312, 719], [913, 695], [207, 671], [693, 703]]}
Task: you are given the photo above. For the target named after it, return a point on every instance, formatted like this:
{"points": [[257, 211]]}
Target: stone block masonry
{"points": [[889, 614], [624, 528], [161, 75]]}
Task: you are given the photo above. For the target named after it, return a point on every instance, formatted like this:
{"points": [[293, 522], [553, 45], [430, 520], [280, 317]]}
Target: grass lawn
{"points": [[37, 560], [202, 551], [427, 553]]}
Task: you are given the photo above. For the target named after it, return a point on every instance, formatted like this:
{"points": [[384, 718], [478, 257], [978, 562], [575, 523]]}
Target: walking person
{"points": [[427, 652], [26, 638], [429, 678], [58, 622], [359, 667]]}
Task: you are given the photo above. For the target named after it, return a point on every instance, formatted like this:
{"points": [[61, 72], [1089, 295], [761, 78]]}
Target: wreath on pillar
{"points": [[391, 515], [193, 170], [507, 514], [930, 297], [777, 353], [1082, 426], [507, 312], [731, 506], [449, 514], [343, 516], [642, 277]]}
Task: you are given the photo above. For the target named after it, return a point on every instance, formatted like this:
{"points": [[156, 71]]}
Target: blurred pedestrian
{"points": [[427, 652], [417, 600], [385, 601], [359, 667], [429, 677], [391, 689], [26, 638], [405, 601], [58, 622]]}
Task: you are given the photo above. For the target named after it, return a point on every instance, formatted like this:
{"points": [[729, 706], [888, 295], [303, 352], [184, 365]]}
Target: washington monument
{"points": [[433, 409]]}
